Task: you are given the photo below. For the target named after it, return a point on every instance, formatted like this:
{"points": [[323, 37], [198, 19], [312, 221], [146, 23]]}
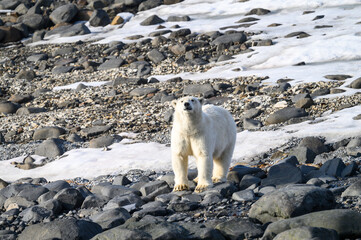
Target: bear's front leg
{"points": [[180, 168], [205, 167]]}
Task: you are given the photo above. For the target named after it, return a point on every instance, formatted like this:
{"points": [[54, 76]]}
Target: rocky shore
{"points": [[307, 187]]}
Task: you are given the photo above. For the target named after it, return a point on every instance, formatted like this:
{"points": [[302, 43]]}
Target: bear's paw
{"points": [[201, 188], [180, 187]]}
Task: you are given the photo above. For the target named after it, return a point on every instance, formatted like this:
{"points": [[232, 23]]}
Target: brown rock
{"points": [[117, 20], [10, 34]]}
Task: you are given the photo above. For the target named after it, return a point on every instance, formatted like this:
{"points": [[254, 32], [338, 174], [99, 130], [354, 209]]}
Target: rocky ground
{"points": [[305, 187]]}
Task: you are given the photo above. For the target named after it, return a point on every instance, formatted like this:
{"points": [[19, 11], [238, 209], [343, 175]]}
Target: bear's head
{"points": [[187, 105]]}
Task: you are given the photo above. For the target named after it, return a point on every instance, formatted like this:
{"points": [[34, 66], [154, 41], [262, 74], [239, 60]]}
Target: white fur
{"points": [[209, 134]]}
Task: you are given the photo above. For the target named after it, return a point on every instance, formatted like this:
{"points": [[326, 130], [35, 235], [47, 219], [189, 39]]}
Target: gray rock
{"points": [[99, 18], [152, 186], [197, 89], [320, 92], [224, 189], [251, 113], [249, 124], [356, 83], [121, 180], [17, 202], [61, 229], [300, 96], [64, 13], [10, 4], [101, 142], [26, 74], [298, 34], [239, 228], [333, 167], [354, 151], [285, 114], [129, 81], [7, 235], [62, 69], [339, 77], [349, 170], [111, 218], [120, 233], [248, 180], [155, 56], [211, 199], [94, 131], [158, 33], [50, 148], [149, 4], [48, 132], [180, 33], [183, 206], [337, 219], [32, 194], [20, 98], [73, 138], [69, 31], [111, 63], [143, 91], [52, 205], [305, 233], [152, 20], [94, 201], [354, 190], [303, 154], [178, 49], [355, 142], [291, 201], [143, 70], [283, 174], [178, 19], [155, 211], [258, 11], [230, 38], [35, 214], [315, 144], [127, 201], [33, 21], [244, 195], [70, 198], [111, 191], [26, 111], [304, 103], [58, 185], [8, 107], [239, 171], [199, 231]]}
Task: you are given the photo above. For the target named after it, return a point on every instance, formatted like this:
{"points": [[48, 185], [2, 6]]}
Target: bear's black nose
{"points": [[186, 104]]}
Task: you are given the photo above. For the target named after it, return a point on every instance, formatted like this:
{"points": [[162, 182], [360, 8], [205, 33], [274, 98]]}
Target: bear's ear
{"points": [[174, 103], [201, 100]]}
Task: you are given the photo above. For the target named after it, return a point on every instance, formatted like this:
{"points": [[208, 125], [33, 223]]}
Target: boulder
{"points": [[110, 218], [99, 18], [70, 198], [64, 13], [152, 20], [285, 114], [48, 132], [50, 148]]}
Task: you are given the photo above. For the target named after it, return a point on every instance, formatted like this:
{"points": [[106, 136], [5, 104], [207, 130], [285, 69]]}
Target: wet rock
{"points": [[285, 114], [99, 18], [64, 13], [61, 229], [48, 132], [70, 198], [101, 142], [248, 180], [152, 20], [240, 229], [291, 201], [337, 219], [50, 148], [111, 218], [349, 170]]}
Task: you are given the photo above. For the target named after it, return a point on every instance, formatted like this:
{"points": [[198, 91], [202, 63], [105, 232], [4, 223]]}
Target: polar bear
{"points": [[209, 134]]}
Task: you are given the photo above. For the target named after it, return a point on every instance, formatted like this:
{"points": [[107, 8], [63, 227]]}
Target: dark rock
{"points": [[155, 56], [64, 13], [94, 201], [126, 201], [32, 194], [129, 81], [7, 235], [48, 132], [285, 114], [303, 154], [52, 205], [356, 83], [26, 74], [149, 4], [154, 211], [17, 202], [283, 174], [291, 201], [94, 131], [224, 189], [62, 69], [58, 185], [349, 170], [244, 195], [69, 30], [230, 38], [258, 11], [101, 142], [308, 233], [248, 180], [50, 148], [8, 107], [120, 233], [110, 218], [35, 214], [143, 70], [152, 20], [178, 19], [199, 231], [180, 33], [121, 180], [143, 91], [152, 186], [99, 18], [315, 144], [61, 229], [183, 206], [38, 35], [33, 21], [297, 34], [247, 19], [159, 33], [241, 171], [111, 63], [320, 92], [240, 229], [304, 103], [197, 89], [333, 167], [338, 77], [70, 198], [37, 57], [337, 219]]}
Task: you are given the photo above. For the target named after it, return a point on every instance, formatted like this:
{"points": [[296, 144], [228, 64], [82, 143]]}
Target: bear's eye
{"points": [[192, 100]]}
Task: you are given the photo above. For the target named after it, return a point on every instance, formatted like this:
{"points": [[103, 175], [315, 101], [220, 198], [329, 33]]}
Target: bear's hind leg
{"points": [[180, 167], [221, 166]]}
